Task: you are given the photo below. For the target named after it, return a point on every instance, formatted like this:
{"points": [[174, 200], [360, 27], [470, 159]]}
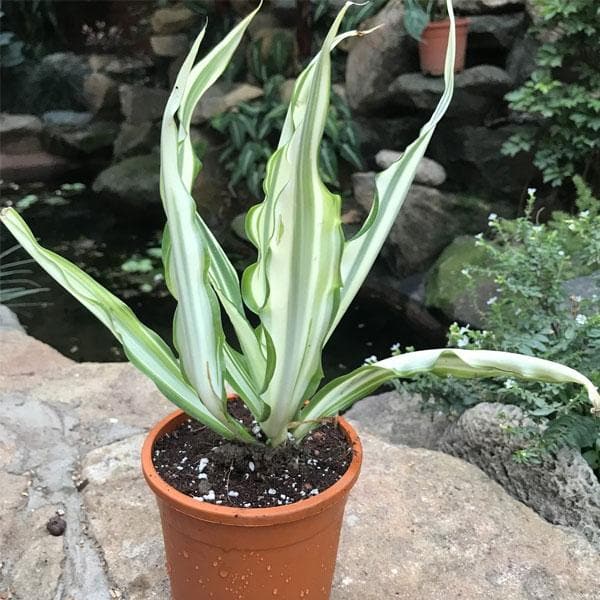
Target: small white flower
{"points": [[395, 347], [492, 217], [479, 236], [492, 300], [531, 191], [370, 360], [561, 253], [584, 213], [581, 319], [509, 383]]}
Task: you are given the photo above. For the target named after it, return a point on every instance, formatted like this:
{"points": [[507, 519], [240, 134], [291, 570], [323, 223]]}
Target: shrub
{"points": [[532, 313], [562, 92]]}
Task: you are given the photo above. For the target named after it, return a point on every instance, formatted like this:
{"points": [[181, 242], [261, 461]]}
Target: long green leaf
{"points": [[142, 346], [392, 186], [294, 285], [192, 250], [342, 392]]}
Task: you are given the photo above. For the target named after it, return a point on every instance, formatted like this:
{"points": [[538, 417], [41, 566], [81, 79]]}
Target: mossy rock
{"points": [[450, 291]]}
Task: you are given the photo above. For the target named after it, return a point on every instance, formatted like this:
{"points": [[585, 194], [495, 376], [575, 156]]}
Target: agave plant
{"points": [[303, 281]]}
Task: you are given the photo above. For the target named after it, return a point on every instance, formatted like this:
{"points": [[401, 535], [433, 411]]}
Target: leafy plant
{"points": [[13, 283], [561, 95], [251, 130], [532, 313], [418, 14], [303, 281]]}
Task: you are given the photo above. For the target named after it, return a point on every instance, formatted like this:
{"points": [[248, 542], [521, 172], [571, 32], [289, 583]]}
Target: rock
{"points": [[96, 138], [34, 166], [377, 59], [172, 19], [169, 45], [123, 517], [520, 62], [428, 221], [8, 320], [428, 172], [221, 97], [375, 133], [140, 104], [420, 524], [448, 290], [122, 69], [563, 489], [134, 182], [586, 287], [101, 92], [398, 418], [477, 91], [135, 139], [20, 134], [477, 7], [66, 118], [262, 22], [496, 32], [473, 158]]}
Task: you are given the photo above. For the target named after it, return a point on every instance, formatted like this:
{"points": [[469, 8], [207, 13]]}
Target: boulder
{"points": [[263, 21], [478, 7], [95, 138], [496, 32], [222, 97], [66, 118], [563, 489], [447, 289], [34, 166], [169, 45], [8, 320], [140, 104], [472, 155], [172, 19], [377, 59], [122, 69], [399, 418], [520, 62], [135, 139], [101, 92], [476, 91], [428, 172], [134, 182], [428, 221], [20, 134], [375, 133]]}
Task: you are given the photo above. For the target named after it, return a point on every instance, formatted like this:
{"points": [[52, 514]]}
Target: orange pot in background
{"points": [[434, 42], [217, 552]]}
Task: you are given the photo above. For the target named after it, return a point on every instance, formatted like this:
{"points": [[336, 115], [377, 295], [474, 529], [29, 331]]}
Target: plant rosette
{"points": [[304, 279]]}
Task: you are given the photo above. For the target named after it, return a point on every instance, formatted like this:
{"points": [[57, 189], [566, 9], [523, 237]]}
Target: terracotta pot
{"points": [[434, 42], [216, 552]]}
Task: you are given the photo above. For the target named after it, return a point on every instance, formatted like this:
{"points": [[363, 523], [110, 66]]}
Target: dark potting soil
{"points": [[201, 464]]}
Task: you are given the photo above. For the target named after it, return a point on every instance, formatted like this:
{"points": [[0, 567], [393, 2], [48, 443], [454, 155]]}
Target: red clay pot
{"points": [[217, 552], [434, 42]]}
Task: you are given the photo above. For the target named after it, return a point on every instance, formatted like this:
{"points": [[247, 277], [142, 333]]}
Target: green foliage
{"points": [[562, 92], [531, 313], [252, 129], [417, 15]]}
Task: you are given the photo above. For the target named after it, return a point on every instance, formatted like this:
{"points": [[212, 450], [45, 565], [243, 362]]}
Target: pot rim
{"points": [[445, 23], [247, 517]]}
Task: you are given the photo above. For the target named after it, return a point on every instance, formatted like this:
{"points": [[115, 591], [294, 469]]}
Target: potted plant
{"points": [[427, 22], [238, 484]]}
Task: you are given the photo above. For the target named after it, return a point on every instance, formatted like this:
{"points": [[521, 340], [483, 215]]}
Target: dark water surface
{"points": [[83, 228]]}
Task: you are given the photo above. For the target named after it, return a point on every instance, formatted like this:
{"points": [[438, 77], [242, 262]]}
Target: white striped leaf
{"points": [[342, 392]]}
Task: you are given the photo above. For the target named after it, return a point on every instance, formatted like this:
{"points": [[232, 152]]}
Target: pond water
{"points": [[121, 252]]}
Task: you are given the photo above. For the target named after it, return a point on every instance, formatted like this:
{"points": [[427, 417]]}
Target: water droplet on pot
{"points": [[215, 563], [268, 567], [185, 554], [223, 573], [275, 591]]}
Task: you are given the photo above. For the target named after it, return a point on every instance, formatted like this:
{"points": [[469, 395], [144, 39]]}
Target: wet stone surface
{"points": [[419, 524]]}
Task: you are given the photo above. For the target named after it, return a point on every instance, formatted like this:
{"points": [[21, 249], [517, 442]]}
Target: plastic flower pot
{"points": [[215, 552], [434, 42]]}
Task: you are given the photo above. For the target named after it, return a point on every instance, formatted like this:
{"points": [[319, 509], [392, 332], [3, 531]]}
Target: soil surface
{"points": [[201, 464]]}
